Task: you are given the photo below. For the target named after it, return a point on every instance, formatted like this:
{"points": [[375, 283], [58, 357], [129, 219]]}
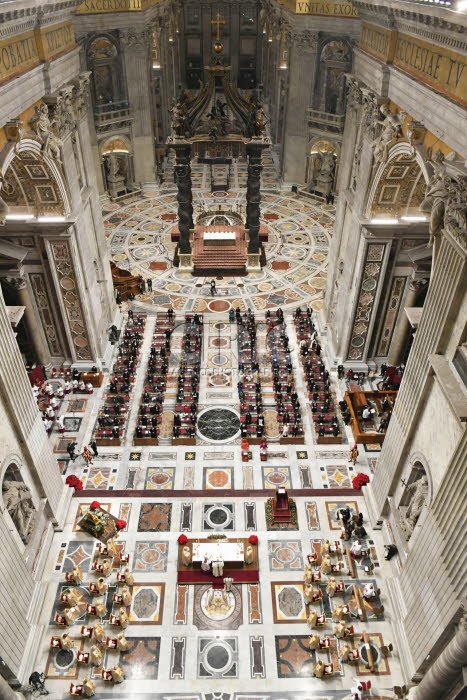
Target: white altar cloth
{"points": [[215, 551]]}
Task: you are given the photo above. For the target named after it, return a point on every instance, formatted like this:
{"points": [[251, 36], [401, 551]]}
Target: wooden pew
{"points": [[350, 562], [371, 663], [359, 598]]}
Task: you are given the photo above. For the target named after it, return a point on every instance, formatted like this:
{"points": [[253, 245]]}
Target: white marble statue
{"points": [[18, 502], [419, 490], [43, 129], [391, 125]]}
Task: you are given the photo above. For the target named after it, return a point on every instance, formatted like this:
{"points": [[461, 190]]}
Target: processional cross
{"points": [[218, 21]]}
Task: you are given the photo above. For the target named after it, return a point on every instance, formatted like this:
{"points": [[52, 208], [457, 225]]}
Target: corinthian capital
{"points": [[136, 38]]}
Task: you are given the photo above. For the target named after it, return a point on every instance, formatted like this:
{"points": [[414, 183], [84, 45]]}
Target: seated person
{"points": [[88, 688], [356, 550], [318, 670], [117, 674], [369, 591], [313, 642], [326, 564]]}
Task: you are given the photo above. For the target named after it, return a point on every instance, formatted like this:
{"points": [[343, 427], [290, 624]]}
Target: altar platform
{"points": [[232, 554], [219, 250]]}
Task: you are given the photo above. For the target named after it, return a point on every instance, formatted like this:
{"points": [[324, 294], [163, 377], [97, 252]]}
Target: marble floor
{"points": [[189, 641]]}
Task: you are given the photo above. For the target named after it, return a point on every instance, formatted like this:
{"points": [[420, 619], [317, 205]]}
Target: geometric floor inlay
{"points": [[151, 556], [217, 609], [217, 658]]}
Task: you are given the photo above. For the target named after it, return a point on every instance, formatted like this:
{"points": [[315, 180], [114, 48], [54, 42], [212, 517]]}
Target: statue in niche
{"points": [[436, 195], [18, 502], [43, 129], [455, 217], [325, 179], [419, 491], [391, 128]]}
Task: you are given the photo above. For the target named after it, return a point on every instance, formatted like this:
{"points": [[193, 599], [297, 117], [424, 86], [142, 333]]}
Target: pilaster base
{"points": [[186, 262], [372, 510], [253, 262]]}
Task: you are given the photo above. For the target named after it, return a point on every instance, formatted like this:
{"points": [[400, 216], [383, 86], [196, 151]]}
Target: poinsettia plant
{"points": [[253, 539], [183, 539], [94, 505], [120, 524], [73, 481], [360, 480]]}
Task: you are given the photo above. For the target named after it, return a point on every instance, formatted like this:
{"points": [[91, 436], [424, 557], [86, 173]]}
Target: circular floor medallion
{"points": [[219, 360], [218, 424], [220, 326], [218, 657], [160, 478], [64, 658], [219, 305]]}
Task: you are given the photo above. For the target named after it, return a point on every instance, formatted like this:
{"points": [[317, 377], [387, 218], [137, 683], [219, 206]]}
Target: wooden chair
{"points": [[400, 691], [55, 643], [93, 589], [86, 632], [324, 643], [328, 669], [91, 609], [349, 631], [321, 620], [60, 620], [386, 650], [366, 688], [106, 675], [337, 568], [316, 577], [69, 577], [82, 657], [120, 578], [312, 558], [124, 559], [76, 689], [114, 620], [117, 599], [317, 595], [369, 569], [111, 643], [354, 656]]}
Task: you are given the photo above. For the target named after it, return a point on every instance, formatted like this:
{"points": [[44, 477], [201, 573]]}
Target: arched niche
{"points": [[335, 62], [32, 181], [322, 165], [17, 501], [416, 494], [398, 186], [103, 61], [117, 163]]}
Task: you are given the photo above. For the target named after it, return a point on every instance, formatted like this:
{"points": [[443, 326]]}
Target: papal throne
{"points": [[281, 506]]}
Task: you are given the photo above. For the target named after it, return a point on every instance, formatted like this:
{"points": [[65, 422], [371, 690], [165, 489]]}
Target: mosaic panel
{"points": [[41, 296], [181, 604], [285, 555], [155, 517], [148, 604], [141, 660], [61, 663], [255, 615], [395, 299], [338, 476], [257, 666], [293, 657], [151, 556], [366, 297], [79, 553], [186, 517], [63, 263], [217, 609], [217, 658], [218, 516], [177, 658], [287, 602], [99, 478], [312, 517], [276, 477], [333, 506], [159, 478], [217, 478]]}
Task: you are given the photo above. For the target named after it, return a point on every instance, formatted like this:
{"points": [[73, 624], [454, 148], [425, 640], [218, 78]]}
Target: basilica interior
{"points": [[233, 252]]}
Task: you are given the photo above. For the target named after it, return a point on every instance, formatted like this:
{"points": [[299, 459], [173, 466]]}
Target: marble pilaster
{"points": [[137, 62], [302, 69], [34, 330]]}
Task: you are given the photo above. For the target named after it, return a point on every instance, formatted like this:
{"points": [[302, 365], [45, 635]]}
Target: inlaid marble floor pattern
{"points": [[193, 642]]}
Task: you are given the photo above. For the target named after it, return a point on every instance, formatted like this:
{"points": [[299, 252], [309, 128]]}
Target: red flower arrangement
{"points": [[253, 539], [183, 539], [73, 481], [120, 524], [360, 480], [95, 505]]}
